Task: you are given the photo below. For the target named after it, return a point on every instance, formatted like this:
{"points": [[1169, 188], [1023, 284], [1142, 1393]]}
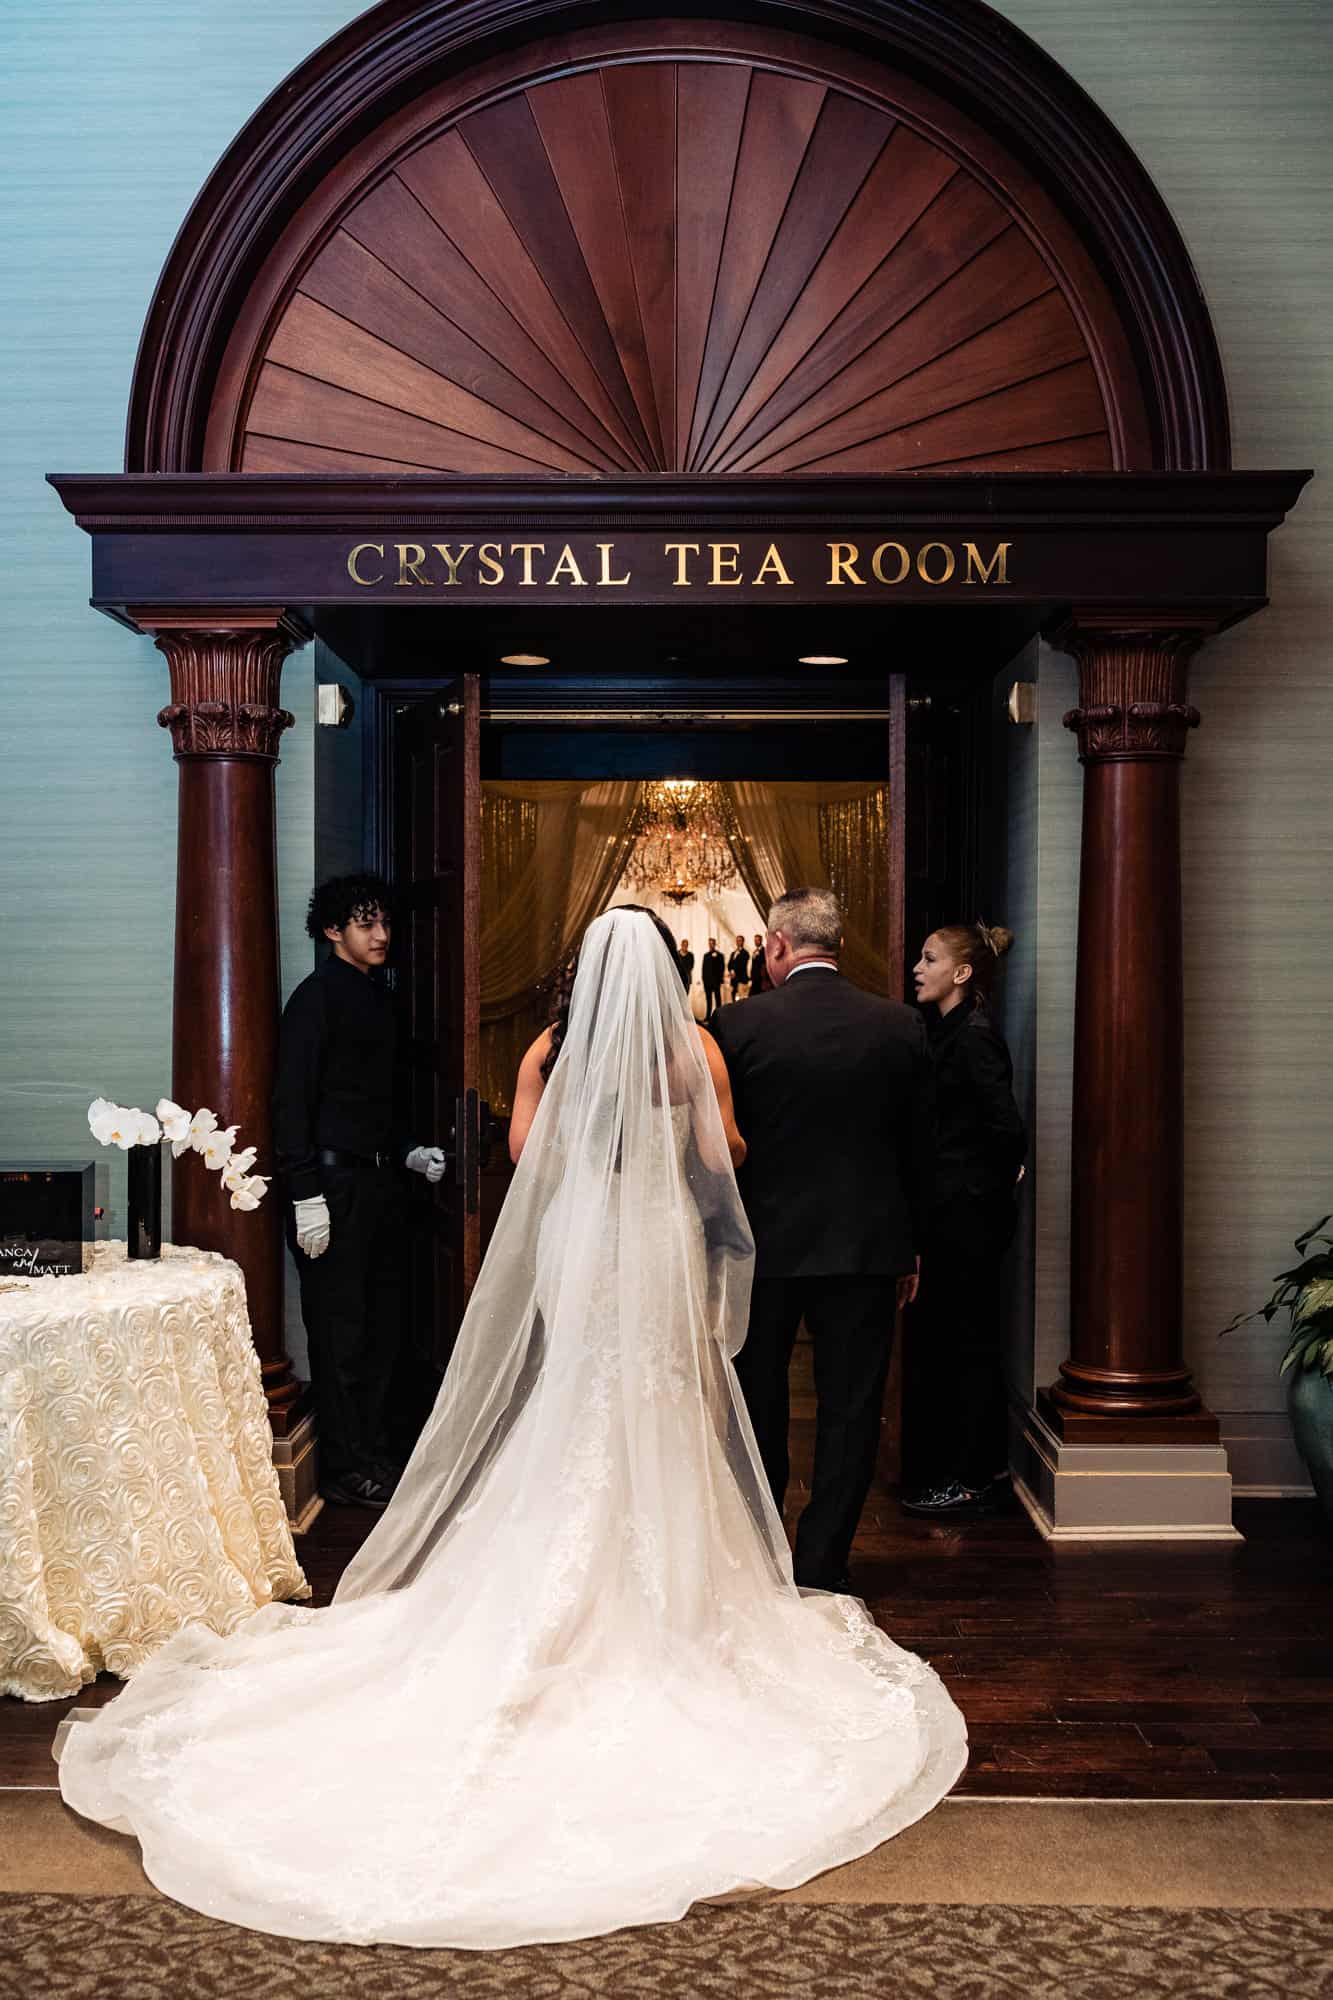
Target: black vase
{"points": [[145, 1201]]}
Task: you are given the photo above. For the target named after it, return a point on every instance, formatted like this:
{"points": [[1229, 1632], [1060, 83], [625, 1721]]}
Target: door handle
{"points": [[467, 1149], [464, 1151]]}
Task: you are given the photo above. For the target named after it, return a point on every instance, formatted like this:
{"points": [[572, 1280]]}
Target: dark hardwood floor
{"points": [[1194, 1670]]}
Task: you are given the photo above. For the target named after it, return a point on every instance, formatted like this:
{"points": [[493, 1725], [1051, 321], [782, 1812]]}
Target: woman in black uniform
{"points": [[956, 1441]]}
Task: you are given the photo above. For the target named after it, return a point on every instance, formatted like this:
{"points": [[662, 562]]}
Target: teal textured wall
{"points": [[112, 113]]}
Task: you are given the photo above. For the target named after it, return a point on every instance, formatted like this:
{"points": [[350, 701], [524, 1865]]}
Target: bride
{"points": [[567, 1683]]}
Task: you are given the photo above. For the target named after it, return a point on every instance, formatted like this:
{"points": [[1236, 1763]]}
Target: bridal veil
{"points": [[568, 1682]]}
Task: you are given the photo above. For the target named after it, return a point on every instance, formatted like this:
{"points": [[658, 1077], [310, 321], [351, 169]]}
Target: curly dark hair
{"points": [[344, 897], [564, 987]]}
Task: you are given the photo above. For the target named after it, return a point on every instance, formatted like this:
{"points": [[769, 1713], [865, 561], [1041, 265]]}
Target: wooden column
{"points": [[225, 723], [1126, 1377]]}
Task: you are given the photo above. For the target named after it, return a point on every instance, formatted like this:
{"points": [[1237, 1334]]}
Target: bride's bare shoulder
{"points": [[537, 1051], [527, 1093]]}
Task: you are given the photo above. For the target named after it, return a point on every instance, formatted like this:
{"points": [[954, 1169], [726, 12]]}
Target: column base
{"points": [[296, 1460], [1111, 1426], [1115, 1491], [287, 1395]]}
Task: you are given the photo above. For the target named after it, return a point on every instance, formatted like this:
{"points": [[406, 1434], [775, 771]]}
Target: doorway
{"points": [[560, 773], [443, 755]]}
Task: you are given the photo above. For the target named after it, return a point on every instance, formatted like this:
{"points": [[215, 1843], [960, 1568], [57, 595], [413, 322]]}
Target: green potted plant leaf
{"points": [[1306, 1292]]}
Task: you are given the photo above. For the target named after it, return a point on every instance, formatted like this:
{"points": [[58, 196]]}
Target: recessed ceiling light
{"points": [[822, 660], [524, 660]]}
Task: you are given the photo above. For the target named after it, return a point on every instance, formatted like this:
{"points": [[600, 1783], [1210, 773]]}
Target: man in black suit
{"points": [[712, 972], [738, 969], [685, 960], [834, 1095]]}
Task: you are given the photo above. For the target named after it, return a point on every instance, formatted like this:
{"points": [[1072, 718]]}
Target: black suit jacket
{"points": [[712, 969], [835, 1099]]}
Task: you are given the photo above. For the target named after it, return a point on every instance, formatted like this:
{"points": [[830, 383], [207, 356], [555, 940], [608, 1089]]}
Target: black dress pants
{"points": [[351, 1301], [712, 1001], [851, 1326], [954, 1402]]}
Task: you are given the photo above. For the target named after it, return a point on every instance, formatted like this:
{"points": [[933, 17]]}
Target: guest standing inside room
{"points": [[685, 960], [712, 972], [759, 979], [956, 1437], [832, 1088], [738, 970], [333, 1132]]}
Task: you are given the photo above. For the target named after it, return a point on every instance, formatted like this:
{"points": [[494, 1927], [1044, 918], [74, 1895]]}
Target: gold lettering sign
{"points": [[801, 562], [362, 548]]}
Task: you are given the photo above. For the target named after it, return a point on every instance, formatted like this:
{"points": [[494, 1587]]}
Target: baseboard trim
{"points": [[1262, 1454]]}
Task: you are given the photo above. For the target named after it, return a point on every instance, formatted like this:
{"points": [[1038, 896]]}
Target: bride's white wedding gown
{"points": [[568, 1683]]}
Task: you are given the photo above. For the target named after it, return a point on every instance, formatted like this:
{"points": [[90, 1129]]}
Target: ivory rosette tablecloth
{"points": [[137, 1488]]}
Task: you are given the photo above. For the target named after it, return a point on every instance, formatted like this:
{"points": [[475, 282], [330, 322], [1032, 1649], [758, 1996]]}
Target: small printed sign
{"points": [[46, 1218]]}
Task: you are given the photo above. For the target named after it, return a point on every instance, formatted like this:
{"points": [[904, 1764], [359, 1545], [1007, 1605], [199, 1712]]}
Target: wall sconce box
{"points": [[46, 1218]]}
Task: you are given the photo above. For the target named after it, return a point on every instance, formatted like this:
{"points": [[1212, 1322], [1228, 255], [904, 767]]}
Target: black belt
{"points": [[331, 1156]]}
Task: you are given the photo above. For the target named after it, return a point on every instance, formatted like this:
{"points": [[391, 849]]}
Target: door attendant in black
{"points": [[957, 1444], [832, 1089], [712, 972], [339, 1156], [738, 970], [685, 960]]}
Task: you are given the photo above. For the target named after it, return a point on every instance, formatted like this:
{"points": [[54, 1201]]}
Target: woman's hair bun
{"points": [[999, 939]]}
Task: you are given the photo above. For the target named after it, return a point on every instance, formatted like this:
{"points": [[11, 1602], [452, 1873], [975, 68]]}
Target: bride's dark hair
{"points": [[564, 986]]}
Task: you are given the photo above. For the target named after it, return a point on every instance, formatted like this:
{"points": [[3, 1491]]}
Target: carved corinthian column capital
{"points": [[1133, 678], [226, 671]]}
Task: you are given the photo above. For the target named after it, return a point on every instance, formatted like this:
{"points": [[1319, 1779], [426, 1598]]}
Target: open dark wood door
{"points": [[432, 755]]}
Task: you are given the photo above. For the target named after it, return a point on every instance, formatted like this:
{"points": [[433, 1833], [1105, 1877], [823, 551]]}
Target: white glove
{"points": [[427, 1160], [312, 1225]]}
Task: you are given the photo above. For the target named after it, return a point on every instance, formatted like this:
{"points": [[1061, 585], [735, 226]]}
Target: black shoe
{"points": [[356, 1489], [951, 1502]]}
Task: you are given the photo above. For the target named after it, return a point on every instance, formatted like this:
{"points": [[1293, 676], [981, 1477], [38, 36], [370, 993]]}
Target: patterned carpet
{"points": [[142, 1947]]}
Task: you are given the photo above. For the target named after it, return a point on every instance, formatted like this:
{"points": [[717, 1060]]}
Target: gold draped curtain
{"points": [[553, 852], [551, 855], [822, 836]]}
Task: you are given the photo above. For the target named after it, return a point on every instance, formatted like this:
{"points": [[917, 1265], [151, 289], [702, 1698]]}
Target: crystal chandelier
{"points": [[681, 848]]}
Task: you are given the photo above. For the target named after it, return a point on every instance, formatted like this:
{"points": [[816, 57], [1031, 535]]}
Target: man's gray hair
{"points": [[810, 920]]}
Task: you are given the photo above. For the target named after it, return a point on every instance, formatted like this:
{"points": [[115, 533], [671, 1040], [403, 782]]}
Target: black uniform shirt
{"points": [[982, 1139], [335, 1076]]}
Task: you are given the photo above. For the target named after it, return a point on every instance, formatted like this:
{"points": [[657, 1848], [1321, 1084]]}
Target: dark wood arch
{"points": [[642, 259], [931, 215]]}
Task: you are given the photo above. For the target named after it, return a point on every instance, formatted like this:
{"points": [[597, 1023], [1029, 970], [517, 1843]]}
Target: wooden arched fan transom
{"points": [[697, 266]]}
